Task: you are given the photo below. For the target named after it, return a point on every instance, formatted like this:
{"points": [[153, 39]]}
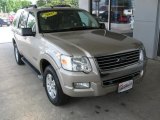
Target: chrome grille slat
{"points": [[120, 64], [114, 61], [118, 55], [110, 59], [119, 60]]}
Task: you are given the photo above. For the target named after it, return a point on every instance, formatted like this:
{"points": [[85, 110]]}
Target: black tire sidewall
{"points": [[60, 98], [19, 61]]}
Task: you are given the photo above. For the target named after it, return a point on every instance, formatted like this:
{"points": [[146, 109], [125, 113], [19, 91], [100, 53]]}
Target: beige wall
{"points": [[84, 4], [145, 26]]}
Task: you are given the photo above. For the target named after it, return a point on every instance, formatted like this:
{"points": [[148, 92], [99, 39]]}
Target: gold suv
{"points": [[75, 55]]}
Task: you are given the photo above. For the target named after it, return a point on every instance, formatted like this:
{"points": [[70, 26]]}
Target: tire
{"points": [[53, 88], [17, 56]]}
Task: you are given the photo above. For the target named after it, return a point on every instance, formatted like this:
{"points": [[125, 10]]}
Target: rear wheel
{"points": [[53, 87], [17, 56]]}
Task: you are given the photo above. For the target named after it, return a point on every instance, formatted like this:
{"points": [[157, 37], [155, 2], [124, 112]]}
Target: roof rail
{"points": [[31, 6], [61, 6]]}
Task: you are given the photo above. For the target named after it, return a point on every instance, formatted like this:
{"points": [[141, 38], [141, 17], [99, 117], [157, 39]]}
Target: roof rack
{"points": [[31, 6], [61, 6]]}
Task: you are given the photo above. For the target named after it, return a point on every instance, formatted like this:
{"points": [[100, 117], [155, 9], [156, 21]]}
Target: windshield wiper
{"points": [[70, 29], [81, 28]]}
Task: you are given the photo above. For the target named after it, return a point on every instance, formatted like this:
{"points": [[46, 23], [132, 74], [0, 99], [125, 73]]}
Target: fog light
{"points": [[81, 85]]}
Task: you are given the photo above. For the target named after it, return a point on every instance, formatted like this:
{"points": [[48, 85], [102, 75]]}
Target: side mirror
{"points": [[102, 26], [27, 32]]}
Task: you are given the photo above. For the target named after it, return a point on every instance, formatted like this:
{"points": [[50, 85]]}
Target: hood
{"points": [[92, 42]]}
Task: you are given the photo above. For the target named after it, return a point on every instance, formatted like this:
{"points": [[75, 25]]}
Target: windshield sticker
{"points": [[48, 14]]}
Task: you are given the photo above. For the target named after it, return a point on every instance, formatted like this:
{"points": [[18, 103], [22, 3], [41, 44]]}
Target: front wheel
{"points": [[53, 87], [17, 56]]}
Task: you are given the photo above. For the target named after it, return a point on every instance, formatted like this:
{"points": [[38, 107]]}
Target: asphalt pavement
{"points": [[5, 34]]}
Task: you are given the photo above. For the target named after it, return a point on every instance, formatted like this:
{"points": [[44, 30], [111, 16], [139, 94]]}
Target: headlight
{"points": [[76, 64], [141, 56]]}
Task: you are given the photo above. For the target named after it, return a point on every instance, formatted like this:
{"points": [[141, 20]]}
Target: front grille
{"points": [[116, 61], [121, 79]]}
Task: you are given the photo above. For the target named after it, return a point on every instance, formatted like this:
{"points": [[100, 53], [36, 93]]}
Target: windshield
{"points": [[65, 20]]}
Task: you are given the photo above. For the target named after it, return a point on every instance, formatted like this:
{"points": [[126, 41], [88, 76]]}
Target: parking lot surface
{"points": [[22, 97], [5, 34]]}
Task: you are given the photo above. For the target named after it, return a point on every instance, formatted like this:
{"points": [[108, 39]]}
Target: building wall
{"points": [[84, 4], [145, 25]]}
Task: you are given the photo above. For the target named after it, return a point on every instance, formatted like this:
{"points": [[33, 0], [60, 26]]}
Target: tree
{"points": [[3, 5], [41, 3], [25, 3], [10, 6], [73, 3], [13, 5]]}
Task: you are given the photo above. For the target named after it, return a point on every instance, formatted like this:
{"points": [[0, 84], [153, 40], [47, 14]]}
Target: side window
{"points": [[84, 18], [16, 19], [31, 23], [87, 19], [23, 20]]}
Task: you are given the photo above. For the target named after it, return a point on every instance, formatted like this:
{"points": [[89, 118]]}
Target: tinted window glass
{"points": [[66, 20], [23, 20], [31, 22], [87, 20], [16, 19]]}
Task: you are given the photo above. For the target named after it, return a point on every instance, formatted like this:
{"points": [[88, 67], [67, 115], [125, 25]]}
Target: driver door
{"points": [[32, 42], [21, 40]]}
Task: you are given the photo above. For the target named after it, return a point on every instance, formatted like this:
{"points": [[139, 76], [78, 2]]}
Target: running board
{"points": [[32, 67]]}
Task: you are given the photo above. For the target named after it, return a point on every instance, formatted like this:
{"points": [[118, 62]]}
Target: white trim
{"points": [[158, 30]]}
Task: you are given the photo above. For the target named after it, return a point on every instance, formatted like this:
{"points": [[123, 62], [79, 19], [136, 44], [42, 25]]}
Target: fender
{"points": [[50, 59], [56, 67]]}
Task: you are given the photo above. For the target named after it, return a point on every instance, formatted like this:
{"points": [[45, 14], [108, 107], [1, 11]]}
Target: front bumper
{"points": [[96, 81]]}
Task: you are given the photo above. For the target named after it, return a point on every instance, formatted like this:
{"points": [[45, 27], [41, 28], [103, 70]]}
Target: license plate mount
{"points": [[125, 86]]}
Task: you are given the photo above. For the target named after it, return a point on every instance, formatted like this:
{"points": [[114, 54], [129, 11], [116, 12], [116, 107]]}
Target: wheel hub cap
{"points": [[16, 53], [51, 86]]}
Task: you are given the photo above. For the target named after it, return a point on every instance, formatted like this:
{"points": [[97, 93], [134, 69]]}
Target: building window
{"points": [[122, 18]]}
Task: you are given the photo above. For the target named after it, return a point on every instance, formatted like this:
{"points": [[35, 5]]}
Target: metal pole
{"points": [[90, 6], [109, 15], [98, 9]]}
